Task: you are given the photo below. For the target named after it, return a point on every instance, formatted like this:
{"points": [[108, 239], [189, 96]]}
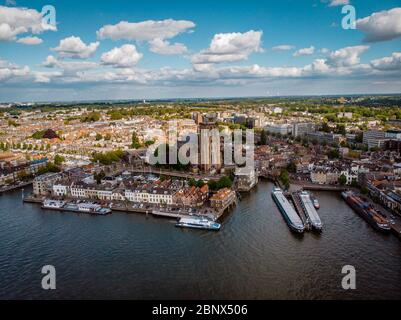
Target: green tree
{"points": [[285, 178], [135, 141], [333, 154], [342, 180], [58, 160], [263, 138]]}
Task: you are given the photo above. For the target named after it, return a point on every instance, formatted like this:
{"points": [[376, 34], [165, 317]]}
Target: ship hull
{"points": [[193, 226], [286, 218]]}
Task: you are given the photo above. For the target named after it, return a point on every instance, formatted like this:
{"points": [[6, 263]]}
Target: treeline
{"points": [[107, 158]]}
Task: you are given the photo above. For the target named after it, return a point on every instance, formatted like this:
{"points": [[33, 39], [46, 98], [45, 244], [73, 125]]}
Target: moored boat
{"points": [[53, 204], [288, 212], [361, 206], [198, 223], [310, 210]]}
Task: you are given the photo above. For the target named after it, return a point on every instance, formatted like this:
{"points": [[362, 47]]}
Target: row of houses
{"points": [[12, 173], [152, 192]]}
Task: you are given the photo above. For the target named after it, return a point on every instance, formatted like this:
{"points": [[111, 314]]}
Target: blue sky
{"points": [[240, 62]]}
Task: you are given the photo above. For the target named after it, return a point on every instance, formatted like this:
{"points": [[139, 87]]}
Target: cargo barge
{"points": [[310, 210], [361, 206], [288, 212]]}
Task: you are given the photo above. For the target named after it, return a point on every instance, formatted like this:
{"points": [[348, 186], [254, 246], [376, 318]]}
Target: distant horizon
{"points": [[204, 98]]}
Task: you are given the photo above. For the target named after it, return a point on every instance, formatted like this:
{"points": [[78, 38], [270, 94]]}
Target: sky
{"points": [[106, 50]]}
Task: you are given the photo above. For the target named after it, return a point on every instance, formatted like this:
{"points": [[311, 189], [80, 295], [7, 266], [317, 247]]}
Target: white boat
{"points": [[198, 223], [53, 204]]}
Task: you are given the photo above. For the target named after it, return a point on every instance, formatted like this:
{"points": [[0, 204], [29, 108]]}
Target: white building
{"points": [[155, 195], [61, 190]]}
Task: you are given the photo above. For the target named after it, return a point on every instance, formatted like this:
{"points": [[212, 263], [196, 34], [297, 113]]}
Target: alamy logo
{"points": [[207, 147], [349, 20], [349, 280], [49, 280], [49, 17]]}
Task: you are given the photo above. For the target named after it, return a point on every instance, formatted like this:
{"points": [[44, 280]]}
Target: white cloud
{"points": [[123, 57], [30, 40], [16, 21], [74, 47], [229, 47], [164, 47], [346, 56], [156, 33], [10, 70], [145, 31], [388, 63], [305, 52], [283, 47], [68, 66], [335, 3], [381, 26]]}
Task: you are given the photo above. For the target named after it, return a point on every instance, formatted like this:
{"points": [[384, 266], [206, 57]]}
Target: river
{"points": [[254, 256]]}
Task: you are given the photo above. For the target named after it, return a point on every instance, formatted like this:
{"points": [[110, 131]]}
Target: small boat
{"points": [[198, 223], [315, 202]]}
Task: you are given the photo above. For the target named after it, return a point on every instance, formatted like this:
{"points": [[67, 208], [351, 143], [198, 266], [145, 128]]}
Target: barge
{"points": [[287, 210], [362, 207]]}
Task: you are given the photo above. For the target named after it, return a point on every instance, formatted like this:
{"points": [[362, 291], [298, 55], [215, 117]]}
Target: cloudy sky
{"points": [[167, 49]]}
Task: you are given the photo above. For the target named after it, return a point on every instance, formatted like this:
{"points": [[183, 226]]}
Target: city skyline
{"points": [[180, 50]]}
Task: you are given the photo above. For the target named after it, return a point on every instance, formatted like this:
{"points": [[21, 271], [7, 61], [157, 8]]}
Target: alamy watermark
{"points": [[349, 20], [49, 280], [348, 282], [208, 146], [49, 17]]}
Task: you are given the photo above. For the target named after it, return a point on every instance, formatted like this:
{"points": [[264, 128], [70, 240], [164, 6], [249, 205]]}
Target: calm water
{"points": [[254, 256]]}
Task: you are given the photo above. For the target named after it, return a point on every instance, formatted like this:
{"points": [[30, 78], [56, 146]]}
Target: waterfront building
{"points": [[192, 197], [61, 189], [150, 195], [222, 199], [43, 185]]}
